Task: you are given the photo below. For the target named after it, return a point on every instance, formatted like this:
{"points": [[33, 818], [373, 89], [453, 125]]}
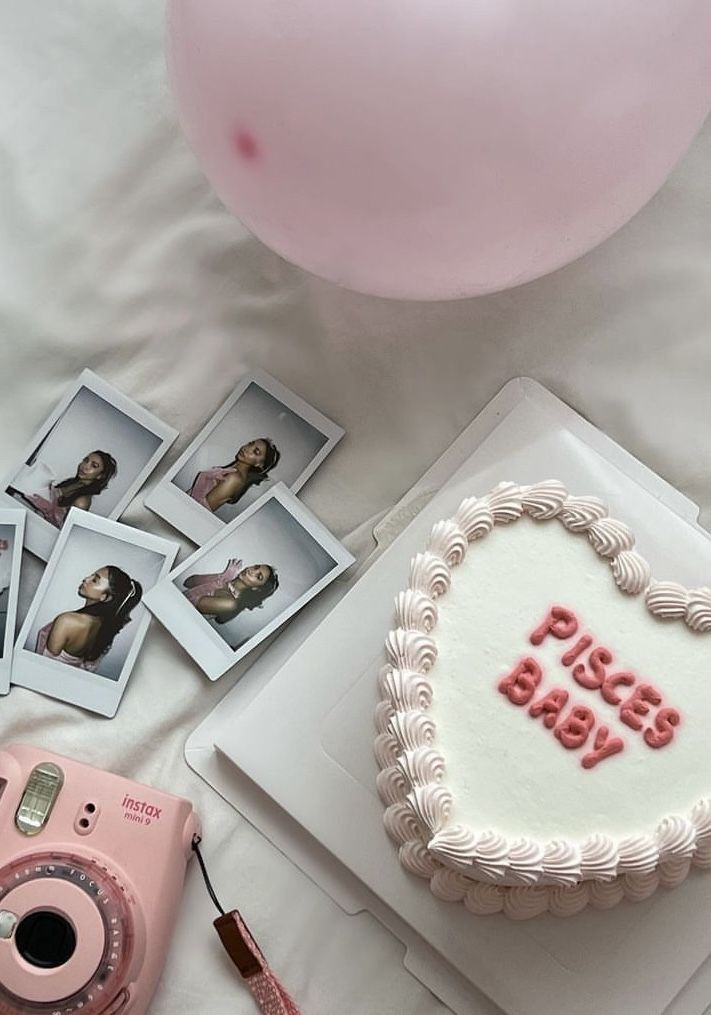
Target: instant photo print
{"points": [[262, 435], [248, 580], [12, 527], [94, 453], [87, 621]]}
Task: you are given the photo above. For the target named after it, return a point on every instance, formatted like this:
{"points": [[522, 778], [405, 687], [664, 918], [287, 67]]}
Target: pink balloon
{"points": [[435, 149]]}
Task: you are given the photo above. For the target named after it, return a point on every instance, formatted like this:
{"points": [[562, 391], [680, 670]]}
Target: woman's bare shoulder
{"points": [[219, 605], [231, 480], [225, 489], [71, 622]]}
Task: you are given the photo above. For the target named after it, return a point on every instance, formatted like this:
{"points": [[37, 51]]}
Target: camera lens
{"points": [[46, 940]]}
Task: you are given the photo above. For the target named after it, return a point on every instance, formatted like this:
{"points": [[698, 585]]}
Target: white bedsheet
{"points": [[115, 254]]}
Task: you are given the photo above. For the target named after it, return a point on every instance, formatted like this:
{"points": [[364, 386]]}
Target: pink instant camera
{"points": [[91, 875]]}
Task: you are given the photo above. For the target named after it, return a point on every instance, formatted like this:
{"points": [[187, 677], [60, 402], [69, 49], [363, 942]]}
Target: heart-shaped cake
{"points": [[545, 711]]}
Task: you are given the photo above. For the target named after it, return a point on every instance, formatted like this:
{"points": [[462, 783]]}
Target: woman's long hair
{"points": [[71, 489], [252, 599], [257, 474], [115, 613]]}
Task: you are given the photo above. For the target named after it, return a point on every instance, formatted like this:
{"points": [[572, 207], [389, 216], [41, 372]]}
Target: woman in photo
{"points": [[81, 637], [225, 484], [223, 596], [5, 565], [94, 473]]}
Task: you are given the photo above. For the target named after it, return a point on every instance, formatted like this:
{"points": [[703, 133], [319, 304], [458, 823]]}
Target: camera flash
{"points": [[41, 792]]}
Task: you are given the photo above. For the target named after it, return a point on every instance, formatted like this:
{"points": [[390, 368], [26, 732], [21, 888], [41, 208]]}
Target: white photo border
{"points": [[211, 652], [77, 687], [40, 535], [14, 517], [178, 508]]}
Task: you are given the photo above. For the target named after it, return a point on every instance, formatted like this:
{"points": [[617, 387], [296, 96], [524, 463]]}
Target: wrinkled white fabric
{"points": [[115, 254]]}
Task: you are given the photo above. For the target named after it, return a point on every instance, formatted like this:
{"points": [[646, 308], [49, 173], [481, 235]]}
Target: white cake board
{"points": [[311, 697]]}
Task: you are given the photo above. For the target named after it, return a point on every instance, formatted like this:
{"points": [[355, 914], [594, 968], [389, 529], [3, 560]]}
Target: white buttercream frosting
{"points": [[406, 690], [525, 860], [401, 824], [631, 572], [606, 894], [525, 903], [676, 837], [698, 609], [392, 785], [383, 714], [569, 900], [411, 650], [667, 600], [484, 900], [448, 885], [417, 859], [430, 574], [448, 542], [544, 500], [579, 513], [412, 729], [610, 538], [640, 886], [422, 766], [386, 749], [493, 869], [701, 817], [506, 502], [599, 857], [454, 843], [672, 872], [431, 805], [415, 611], [490, 856], [637, 854], [475, 518], [561, 863]]}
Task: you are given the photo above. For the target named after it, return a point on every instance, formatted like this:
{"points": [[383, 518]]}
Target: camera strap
{"points": [[237, 940], [271, 997]]}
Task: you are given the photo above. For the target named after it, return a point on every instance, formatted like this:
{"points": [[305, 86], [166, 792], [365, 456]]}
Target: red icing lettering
{"points": [[607, 690], [578, 648], [605, 746], [522, 681], [597, 661], [574, 730], [665, 721], [561, 623], [636, 705], [578, 726], [552, 704]]}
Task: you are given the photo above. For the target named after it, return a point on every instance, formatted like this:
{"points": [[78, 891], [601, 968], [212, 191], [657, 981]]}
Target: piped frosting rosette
{"points": [[479, 868]]}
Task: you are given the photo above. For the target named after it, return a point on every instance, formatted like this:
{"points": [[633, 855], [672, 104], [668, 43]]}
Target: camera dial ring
{"points": [[46, 892]]}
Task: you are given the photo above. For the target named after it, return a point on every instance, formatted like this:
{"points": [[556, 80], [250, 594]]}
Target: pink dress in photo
{"points": [[212, 583], [207, 481], [63, 657], [50, 510]]}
